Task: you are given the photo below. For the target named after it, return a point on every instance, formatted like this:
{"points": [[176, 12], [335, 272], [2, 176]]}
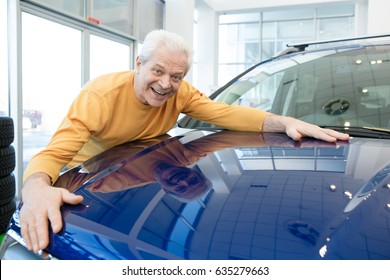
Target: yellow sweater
{"points": [[106, 113]]}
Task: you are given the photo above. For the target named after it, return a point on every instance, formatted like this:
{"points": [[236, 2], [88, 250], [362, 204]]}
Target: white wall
{"points": [[207, 48], [378, 19], [179, 16]]}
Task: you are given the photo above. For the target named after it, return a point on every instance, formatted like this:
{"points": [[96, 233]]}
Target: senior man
{"points": [[120, 107]]}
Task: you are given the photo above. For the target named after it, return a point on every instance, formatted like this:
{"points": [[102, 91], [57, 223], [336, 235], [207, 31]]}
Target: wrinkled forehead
{"points": [[169, 60], [173, 60]]}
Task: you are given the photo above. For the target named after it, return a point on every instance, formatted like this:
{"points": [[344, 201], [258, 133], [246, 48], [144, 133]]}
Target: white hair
{"points": [[157, 38]]}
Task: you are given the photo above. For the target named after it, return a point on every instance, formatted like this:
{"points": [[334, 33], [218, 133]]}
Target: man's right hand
{"points": [[41, 205]]}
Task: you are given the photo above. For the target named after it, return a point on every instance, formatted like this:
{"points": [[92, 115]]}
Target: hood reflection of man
{"points": [[169, 163], [182, 182]]}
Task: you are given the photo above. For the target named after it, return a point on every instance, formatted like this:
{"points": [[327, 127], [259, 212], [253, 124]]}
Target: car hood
{"points": [[229, 195]]}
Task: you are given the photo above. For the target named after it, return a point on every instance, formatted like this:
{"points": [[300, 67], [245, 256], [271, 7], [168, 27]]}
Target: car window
{"points": [[338, 87], [344, 89]]}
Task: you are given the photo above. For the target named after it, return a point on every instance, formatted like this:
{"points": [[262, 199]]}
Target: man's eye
{"points": [[177, 78]]}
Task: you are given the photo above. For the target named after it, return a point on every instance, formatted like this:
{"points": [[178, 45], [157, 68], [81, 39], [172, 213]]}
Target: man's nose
{"points": [[165, 82]]}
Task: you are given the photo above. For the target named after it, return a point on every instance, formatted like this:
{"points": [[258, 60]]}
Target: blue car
{"points": [[202, 192]]}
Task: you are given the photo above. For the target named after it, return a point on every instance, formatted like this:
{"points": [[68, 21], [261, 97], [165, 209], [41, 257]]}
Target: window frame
{"points": [[15, 93]]}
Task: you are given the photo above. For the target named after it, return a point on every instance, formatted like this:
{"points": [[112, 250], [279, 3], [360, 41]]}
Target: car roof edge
{"points": [[303, 46]]}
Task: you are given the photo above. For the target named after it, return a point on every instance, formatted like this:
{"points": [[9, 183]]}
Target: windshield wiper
{"points": [[362, 131], [386, 130]]}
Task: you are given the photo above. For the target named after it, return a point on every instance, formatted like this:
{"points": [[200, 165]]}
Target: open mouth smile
{"points": [[158, 92]]}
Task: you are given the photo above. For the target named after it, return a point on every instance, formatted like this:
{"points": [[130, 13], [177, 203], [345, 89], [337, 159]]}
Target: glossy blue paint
{"points": [[268, 201]]}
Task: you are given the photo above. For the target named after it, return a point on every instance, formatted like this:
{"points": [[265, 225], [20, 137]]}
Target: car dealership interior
{"points": [[51, 48]]}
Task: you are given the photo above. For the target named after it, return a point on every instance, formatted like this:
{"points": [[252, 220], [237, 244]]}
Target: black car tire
{"points": [[6, 212], [7, 189], [7, 160], [6, 131]]}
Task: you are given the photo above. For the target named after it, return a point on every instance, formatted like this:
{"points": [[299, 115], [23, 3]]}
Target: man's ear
{"points": [[137, 63]]}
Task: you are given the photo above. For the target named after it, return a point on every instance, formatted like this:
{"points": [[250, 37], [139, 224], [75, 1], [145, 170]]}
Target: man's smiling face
{"points": [[159, 78]]}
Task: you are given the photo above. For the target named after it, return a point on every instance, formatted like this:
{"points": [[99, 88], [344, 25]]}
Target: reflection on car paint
{"points": [[234, 220]]}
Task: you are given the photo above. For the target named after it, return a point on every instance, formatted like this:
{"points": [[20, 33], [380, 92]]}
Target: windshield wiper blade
{"points": [[386, 130], [362, 131]]}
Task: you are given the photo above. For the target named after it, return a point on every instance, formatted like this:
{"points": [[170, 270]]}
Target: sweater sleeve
{"points": [[86, 116], [230, 117]]}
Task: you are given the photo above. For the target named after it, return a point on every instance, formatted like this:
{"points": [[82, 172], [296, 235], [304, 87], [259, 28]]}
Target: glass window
{"points": [[288, 14], [269, 31], [268, 49], [239, 18], [241, 46], [228, 71], [268, 46], [239, 43], [276, 35], [103, 61], [113, 14], [331, 27], [73, 7], [296, 29], [154, 9], [3, 60], [117, 15], [51, 68], [332, 11]]}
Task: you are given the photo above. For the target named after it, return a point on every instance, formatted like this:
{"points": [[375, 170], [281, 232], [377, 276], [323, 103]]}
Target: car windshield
{"points": [[344, 87]]}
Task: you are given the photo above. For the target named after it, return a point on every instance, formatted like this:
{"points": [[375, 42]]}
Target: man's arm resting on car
{"points": [[296, 129]]}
